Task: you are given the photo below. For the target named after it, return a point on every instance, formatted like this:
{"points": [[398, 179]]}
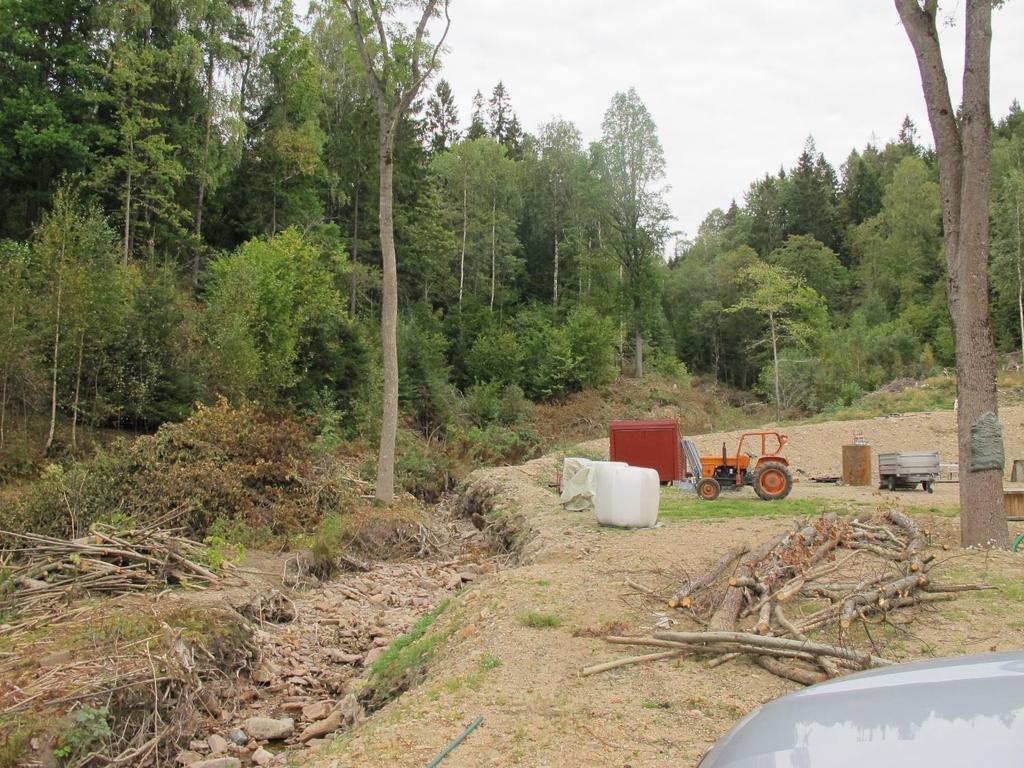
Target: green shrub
{"points": [[496, 444], [89, 726], [482, 403], [496, 356], [490, 403], [423, 468], [240, 465], [668, 365], [550, 366], [514, 407], [425, 390], [592, 339]]}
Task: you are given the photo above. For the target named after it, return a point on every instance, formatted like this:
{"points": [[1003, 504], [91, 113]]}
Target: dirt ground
{"points": [[524, 679]]}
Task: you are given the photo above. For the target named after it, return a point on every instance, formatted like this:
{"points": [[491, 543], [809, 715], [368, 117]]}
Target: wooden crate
{"points": [[1013, 502]]}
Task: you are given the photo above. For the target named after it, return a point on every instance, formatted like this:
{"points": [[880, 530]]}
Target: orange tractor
{"points": [[768, 472]]}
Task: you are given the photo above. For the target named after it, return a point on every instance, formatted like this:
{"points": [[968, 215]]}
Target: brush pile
{"points": [[46, 572], [829, 578]]}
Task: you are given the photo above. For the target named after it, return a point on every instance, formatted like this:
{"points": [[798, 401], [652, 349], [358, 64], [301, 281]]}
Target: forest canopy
{"points": [[188, 210]]}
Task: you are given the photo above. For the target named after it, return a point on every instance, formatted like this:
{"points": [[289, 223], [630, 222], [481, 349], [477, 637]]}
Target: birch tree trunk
{"points": [[56, 353], [493, 257], [638, 354], [554, 295], [465, 228], [355, 253], [78, 389], [1020, 281], [964, 152], [128, 202], [775, 366], [201, 195]]}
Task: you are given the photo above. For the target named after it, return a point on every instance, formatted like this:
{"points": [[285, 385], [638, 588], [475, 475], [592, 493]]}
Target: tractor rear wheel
{"points": [[772, 481], [708, 488]]}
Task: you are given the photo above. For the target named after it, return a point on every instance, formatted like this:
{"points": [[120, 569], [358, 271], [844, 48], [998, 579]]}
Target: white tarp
{"points": [[579, 478]]}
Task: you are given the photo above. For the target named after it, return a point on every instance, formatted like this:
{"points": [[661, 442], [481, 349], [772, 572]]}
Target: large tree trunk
{"points": [[964, 153], [392, 105], [388, 315]]}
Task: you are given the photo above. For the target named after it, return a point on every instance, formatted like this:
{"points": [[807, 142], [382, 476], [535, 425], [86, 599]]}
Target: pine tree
{"points": [[477, 127], [908, 134], [502, 123], [442, 120]]}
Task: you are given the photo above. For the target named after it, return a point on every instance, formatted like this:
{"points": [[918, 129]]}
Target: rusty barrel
{"points": [[857, 465]]}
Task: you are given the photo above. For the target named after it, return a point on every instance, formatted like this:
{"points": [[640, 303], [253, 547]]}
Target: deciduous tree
{"points": [[964, 148], [398, 62], [634, 165]]}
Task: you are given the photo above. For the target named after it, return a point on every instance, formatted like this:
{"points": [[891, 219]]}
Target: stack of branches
{"points": [[742, 602], [43, 572], [153, 688]]}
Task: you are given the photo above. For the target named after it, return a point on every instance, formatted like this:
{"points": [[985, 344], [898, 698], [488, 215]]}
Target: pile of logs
{"points": [[846, 570], [45, 571]]}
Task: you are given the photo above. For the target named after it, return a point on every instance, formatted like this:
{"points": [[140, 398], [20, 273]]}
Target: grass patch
{"points": [[934, 394], [473, 680], [684, 505], [537, 620], [405, 661], [920, 510], [489, 661], [1009, 588]]}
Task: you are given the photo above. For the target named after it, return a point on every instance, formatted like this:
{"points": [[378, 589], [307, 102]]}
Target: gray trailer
{"points": [[907, 470]]}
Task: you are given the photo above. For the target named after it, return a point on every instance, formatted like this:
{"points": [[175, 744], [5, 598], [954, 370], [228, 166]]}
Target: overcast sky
{"points": [[735, 86]]}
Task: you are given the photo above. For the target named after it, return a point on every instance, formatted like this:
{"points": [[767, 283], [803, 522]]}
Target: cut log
{"points": [[593, 670], [710, 576], [728, 612], [791, 671]]}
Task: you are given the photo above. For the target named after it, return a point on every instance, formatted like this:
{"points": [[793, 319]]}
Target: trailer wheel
{"points": [[890, 482], [708, 488], [772, 481]]}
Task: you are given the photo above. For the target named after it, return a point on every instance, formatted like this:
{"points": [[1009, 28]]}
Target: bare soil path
{"points": [[523, 634]]}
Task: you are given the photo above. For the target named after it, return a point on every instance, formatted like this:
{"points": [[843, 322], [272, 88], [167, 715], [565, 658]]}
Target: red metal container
{"points": [[653, 444]]}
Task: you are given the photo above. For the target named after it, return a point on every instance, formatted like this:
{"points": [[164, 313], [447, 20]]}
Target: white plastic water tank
{"points": [[626, 497]]}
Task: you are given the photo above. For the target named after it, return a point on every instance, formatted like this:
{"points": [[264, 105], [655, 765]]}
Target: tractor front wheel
{"points": [[772, 481], [708, 488]]}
